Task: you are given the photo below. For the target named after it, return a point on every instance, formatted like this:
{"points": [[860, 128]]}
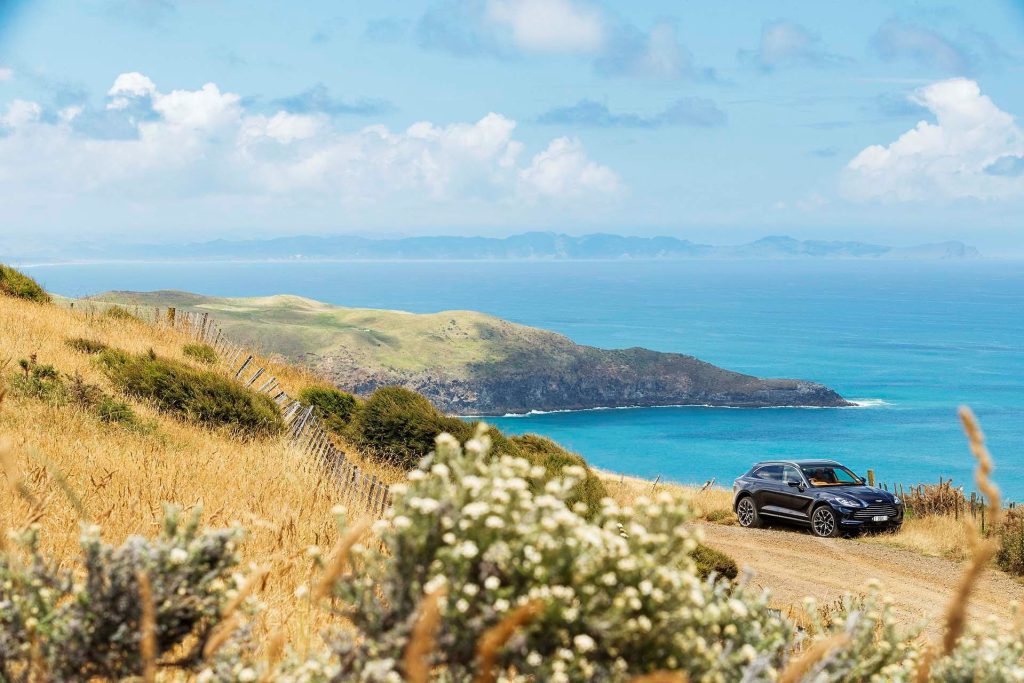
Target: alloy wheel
{"points": [[745, 512], [824, 522]]}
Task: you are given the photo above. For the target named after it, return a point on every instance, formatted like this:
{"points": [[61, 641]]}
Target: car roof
{"points": [[800, 462]]}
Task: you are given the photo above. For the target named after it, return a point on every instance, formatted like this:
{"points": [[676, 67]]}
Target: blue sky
{"points": [[172, 120]]}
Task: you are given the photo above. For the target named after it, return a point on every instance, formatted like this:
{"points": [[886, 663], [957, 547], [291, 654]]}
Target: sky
{"points": [[183, 120]]}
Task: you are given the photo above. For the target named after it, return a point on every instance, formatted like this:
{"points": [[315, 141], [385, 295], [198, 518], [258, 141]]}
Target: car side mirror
{"points": [[794, 484]]}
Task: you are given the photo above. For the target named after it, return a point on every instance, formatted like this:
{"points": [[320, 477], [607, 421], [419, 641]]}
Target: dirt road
{"points": [[794, 564]]}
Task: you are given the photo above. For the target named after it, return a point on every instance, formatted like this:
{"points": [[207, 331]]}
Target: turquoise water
{"points": [[914, 340]]}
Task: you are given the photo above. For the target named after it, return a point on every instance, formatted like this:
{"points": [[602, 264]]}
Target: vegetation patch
{"points": [[539, 450], [710, 561], [85, 345], [17, 284], [203, 396], [120, 313], [203, 353], [335, 407]]}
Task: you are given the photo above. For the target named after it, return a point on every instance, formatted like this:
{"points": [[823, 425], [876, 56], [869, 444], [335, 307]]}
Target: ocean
{"points": [[910, 341]]}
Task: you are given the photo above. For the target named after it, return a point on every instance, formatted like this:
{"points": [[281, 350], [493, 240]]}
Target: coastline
{"points": [[858, 403]]}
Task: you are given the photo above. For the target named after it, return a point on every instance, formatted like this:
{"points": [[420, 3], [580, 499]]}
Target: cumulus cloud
{"points": [[686, 111], [563, 170], [786, 43], [203, 142], [549, 25], [509, 28], [973, 149]]}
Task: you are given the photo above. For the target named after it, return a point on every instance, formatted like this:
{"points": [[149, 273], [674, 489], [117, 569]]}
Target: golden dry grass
{"points": [[713, 504], [935, 535], [281, 496]]}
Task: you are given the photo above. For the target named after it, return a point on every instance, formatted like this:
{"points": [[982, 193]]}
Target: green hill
{"points": [[471, 363]]}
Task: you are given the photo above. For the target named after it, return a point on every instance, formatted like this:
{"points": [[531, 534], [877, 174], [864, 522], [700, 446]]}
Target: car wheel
{"points": [[746, 513], [824, 522]]}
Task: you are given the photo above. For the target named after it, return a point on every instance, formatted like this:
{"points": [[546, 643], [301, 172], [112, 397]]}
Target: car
{"points": [[821, 494]]}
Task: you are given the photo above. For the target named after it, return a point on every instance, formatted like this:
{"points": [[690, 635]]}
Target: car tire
{"points": [[824, 522], [746, 513]]}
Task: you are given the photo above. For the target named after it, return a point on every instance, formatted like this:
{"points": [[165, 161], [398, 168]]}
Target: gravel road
{"points": [[794, 564]]}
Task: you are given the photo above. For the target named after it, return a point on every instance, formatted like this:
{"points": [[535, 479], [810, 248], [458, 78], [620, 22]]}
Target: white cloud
{"points": [[6, 73], [21, 112], [563, 170], [202, 143], [953, 157], [550, 25]]}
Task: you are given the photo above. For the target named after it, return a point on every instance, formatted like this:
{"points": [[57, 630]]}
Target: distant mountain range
{"points": [[530, 245]]}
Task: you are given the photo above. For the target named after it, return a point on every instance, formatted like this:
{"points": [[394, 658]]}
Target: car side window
{"points": [[770, 472], [790, 473]]}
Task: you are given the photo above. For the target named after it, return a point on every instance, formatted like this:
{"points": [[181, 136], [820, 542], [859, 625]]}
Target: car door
{"points": [[768, 491], [794, 500]]}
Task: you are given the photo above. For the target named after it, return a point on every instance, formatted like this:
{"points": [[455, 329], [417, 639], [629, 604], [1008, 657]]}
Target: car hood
{"points": [[865, 494]]}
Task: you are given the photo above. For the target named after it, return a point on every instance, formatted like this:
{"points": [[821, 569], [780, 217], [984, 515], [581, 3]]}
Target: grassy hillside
{"points": [[471, 363]]}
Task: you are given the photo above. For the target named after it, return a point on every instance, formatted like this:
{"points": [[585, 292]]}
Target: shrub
{"points": [[92, 628], [39, 381], [1010, 556], [112, 410], [539, 450], [200, 395], [400, 425], [90, 346], [336, 407], [204, 353], [610, 599], [17, 284], [120, 313], [708, 560]]}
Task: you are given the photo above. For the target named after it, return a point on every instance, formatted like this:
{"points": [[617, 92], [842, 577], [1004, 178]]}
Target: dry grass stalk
{"points": [[220, 635], [494, 638], [799, 666], [147, 626], [275, 648], [255, 577], [422, 640], [661, 677], [339, 560], [982, 549]]}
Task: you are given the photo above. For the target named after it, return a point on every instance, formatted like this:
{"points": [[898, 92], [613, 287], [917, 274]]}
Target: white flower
{"points": [[476, 509], [402, 522], [492, 583], [246, 675], [467, 549], [584, 643], [494, 522], [440, 469], [178, 555]]}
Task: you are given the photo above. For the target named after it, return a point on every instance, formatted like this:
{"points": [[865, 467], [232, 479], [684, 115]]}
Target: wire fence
{"points": [[359, 489]]}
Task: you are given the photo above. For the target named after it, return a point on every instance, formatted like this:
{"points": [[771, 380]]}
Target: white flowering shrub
{"points": [[619, 594], [90, 627]]}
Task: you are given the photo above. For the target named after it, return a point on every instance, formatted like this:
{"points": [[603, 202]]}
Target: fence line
{"points": [[360, 488]]}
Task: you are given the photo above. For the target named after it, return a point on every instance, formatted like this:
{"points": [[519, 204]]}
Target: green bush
{"points": [[120, 313], [204, 353], [111, 410], [39, 381], [709, 560], [91, 346], [336, 407], [539, 450], [17, 284], [203, 396], [399, 425]]}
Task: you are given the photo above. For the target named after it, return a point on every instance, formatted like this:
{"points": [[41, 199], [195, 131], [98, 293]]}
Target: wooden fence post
{"points": [[171, 313], [871, 477]]}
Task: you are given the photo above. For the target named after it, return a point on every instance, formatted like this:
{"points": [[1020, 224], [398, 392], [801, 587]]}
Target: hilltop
{"points": [[467, 362]]}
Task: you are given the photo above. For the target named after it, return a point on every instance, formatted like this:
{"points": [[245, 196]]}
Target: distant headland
{"points": [[540, 246]]}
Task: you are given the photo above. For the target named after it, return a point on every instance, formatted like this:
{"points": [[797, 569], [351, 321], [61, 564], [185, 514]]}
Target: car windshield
{"points": [[829, 475]]}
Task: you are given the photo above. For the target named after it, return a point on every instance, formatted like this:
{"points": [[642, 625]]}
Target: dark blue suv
{"points": [[822, 494]]}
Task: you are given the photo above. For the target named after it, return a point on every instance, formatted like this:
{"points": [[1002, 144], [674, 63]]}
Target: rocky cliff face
{"points": [[594, 378]]}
